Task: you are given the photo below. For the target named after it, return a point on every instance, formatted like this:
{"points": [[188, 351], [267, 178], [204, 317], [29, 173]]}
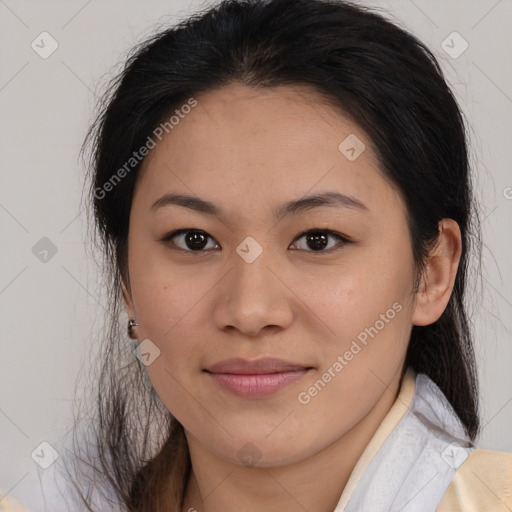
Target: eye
{"points": [[195, 240], [318, 240], [192, 240]]}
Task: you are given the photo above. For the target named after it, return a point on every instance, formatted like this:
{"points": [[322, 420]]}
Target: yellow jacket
{"points": [[9, 504]]}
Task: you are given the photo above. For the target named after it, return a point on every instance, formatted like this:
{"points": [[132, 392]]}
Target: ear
{"points": [[441, 269], [128, 301]]}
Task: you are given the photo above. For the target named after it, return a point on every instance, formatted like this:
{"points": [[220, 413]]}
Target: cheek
{"points": [[163, 293], [352, 295], [366, 306], [165, 308]]}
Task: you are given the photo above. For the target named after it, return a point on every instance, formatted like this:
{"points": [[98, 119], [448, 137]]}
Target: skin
{"points": [[248, 151]]}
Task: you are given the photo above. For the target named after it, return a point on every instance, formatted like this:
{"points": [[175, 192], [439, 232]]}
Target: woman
{"points": [[283, 195]]}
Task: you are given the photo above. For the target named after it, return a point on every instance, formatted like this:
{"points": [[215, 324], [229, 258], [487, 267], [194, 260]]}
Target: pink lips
{"points": [[255, 379]]}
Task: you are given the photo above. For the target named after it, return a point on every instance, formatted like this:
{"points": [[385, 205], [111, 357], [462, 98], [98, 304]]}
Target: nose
{"points": [[253, 297]]}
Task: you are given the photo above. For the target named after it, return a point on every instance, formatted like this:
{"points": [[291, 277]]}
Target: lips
{"points": [[241, 366], [256, 379]]}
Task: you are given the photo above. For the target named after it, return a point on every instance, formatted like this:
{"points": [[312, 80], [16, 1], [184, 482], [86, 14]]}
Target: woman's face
{"points": [[251, 285]]}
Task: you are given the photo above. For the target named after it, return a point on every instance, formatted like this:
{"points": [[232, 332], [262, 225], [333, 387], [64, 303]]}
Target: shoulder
{"points": [[9, 504], [483, 482]]}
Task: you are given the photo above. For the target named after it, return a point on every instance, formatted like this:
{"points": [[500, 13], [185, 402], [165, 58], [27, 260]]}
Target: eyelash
{"points": [[343, 240]]}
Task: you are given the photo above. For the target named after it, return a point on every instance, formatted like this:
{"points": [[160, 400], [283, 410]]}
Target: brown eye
{"points": [[317, 240], [191, 240]]}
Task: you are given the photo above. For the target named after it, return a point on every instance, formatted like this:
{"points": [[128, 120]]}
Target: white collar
{"points": [[417, 461]]}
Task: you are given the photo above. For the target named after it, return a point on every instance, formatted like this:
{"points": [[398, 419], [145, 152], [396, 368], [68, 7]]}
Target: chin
{"points": [[263, 453]]}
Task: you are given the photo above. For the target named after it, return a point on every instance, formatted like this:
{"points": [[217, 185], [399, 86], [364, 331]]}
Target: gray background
{"points": [[50, 311]]}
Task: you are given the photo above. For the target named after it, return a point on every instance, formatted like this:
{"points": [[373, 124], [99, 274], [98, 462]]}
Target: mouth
{"points": [[256, 379]]}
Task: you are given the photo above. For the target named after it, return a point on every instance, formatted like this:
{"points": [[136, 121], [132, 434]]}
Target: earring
{"points": [[131, 324]]}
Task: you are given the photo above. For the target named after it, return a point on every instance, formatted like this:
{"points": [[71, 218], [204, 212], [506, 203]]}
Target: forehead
{"points": [[281, 117], [273, 143]]}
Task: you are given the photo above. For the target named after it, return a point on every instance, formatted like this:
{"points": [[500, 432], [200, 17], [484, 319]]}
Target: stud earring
{"points": [[131, 324]]}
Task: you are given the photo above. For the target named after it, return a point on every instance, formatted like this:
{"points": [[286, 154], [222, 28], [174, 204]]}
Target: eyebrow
{"points": [[304, 204]]}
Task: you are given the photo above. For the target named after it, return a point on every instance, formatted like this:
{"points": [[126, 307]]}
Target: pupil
{"points": [[193, 238], [317, 241]]}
